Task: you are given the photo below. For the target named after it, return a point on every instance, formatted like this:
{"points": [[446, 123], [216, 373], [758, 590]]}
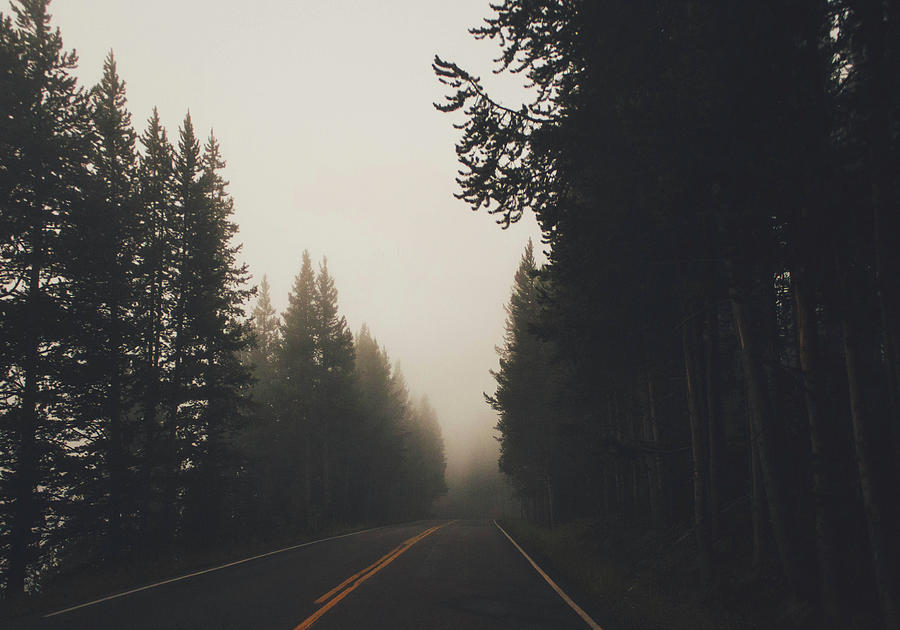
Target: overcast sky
{"points": [[323, 111]]}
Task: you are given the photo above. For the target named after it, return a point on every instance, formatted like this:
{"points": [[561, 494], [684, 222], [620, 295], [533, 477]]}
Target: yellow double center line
{"points": [[339, 592]]}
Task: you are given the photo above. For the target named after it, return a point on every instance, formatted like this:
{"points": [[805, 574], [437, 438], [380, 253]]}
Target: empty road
{"points": [[429, 574]]}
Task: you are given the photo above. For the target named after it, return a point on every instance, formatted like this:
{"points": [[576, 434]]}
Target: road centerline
{"points": [[335, 595], [341, 586]]}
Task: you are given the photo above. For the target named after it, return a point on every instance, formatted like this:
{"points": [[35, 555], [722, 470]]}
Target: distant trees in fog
{"points": [[140, 408], [335, 435], [713, 342]]}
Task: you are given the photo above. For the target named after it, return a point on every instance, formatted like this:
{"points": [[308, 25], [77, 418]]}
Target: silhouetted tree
{"points": [[334, 391], [45, 144], [379, 431], [222, 333], [711, 181], [102, 264], [525, 400], [155, 309], [424, 461], [296, 373]]}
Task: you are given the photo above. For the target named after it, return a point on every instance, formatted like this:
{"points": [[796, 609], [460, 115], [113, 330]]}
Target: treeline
{"points": [[336, 437], [713, 341], [128, 365]]}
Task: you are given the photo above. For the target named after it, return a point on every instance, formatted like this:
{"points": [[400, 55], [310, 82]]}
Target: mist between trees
{"points": [[711, 351], [141, 410]]}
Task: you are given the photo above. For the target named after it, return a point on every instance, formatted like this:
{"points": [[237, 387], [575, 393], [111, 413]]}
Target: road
{"points": [[428, 574]]}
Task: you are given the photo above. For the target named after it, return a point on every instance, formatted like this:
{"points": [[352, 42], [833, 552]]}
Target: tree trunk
{"points": [[890, 314], [116, 447], [884, 580], [878, 87], [756, 501], [711, 344], [307, 477], [171, 460], [760, 415], [550, 519], [809, 366], [150, 424], [698, 452], [607, 504], [24, 508], [657, 489], [620, 488], [326, 477], [171, 457]]}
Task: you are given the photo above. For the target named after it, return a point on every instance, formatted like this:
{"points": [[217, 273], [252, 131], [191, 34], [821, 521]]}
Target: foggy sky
{"points": [[323, 111]]}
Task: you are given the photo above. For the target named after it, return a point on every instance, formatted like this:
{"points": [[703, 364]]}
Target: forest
{"points": [[710, 352], [146, 406]]}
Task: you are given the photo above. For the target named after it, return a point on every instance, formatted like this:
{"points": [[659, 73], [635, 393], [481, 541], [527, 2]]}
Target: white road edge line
{"points": [[195, 573], [587, 618]]}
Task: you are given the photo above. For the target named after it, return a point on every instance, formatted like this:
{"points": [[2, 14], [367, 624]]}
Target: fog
{"points": [[324, 113]]}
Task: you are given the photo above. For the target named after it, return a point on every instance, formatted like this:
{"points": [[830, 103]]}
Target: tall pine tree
{"points": [[154, 315], [334, 403], [102, 266], [297, 360], [45, 144]]}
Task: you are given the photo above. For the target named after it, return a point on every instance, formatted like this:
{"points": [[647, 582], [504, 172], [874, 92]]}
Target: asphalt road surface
{"points": [[428, 574]]}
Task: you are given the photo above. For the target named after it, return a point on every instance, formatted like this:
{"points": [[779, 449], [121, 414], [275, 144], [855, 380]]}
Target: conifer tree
{"points": [[266, 330], [296, 367], [102, 266], [744, 160], [182, 405], [262, 438], [154, 313], [44, 175], [379, 439], [424, 461], [525, 400], [334, 389], [262, 356], [221, 334]]}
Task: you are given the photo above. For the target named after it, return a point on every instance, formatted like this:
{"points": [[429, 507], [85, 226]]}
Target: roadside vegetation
{"points": [[711, 350], [147, 420]]}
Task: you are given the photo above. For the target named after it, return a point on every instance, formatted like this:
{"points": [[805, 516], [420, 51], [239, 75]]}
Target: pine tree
{"points": [[380, 438], [44, 140], [424, 461], [102, 265], [266, 330], [222, 334], [525, 399], [154, 314], [262, 356], [334, 393], [737, 155], [296, 367], [180, 426], [261, 440], [373, 374]]}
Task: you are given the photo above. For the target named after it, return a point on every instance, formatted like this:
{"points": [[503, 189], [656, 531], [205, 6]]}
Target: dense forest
{"points": [[712, 344], [143, 410]]}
